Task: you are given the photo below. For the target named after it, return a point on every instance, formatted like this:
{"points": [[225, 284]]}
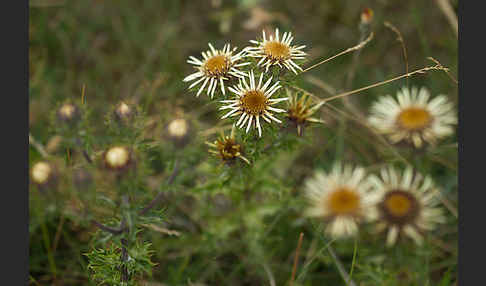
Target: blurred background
{"points": [[136, 51]]}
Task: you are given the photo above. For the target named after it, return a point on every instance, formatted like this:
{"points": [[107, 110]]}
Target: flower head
{"points": [[117, 158], [227, 148], [252, 102], [413, 118], [41, 173], [123, 111], [300, 109], [216, 67], [407, 204], [276, 51], [342, 198], [68, 113]]}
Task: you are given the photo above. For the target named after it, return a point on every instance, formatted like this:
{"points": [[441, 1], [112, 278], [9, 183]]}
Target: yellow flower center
{"points": [[41, 172], [217, 65], [277, 50], [398, 204], [343, 201], [178, 127], [254, 102], [117, 157], [414, 118]]}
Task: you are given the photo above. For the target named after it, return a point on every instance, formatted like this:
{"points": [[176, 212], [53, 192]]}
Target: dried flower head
{"points": [[407, 204], [341, 198], [227, 149], [216, 67], [412, 118], [252, 102], [276, 51], [117, 158], [300, 109], [68, 113]]}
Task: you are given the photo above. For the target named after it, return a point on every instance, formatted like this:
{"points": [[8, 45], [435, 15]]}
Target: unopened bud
{"points": [[366, 16]]}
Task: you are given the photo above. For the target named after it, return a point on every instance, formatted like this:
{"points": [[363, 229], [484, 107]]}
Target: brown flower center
{"points": [[343, 201], [399, 207], [228, 149], [277, 50], [254, 102], [217, 65], [414, 118]]}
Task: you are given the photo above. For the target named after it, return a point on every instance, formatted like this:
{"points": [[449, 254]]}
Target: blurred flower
{"points": [[300, 109], [68, 113], [123, 111], [277, 51], [253, 102], [117, 158], [43, 175], [407, 204], [216, 66], [227, 148], [342, 198], [178, 131], [413, 118]]}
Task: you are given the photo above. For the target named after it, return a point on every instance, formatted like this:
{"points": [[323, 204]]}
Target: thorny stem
{"points": [[160, 195], [357, 47], [114, 231]]}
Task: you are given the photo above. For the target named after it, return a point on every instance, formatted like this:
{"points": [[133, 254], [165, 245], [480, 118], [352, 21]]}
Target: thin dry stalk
{"points": [[296, 258], [355, 48], [424, 70], [401, 41], [447, 71], [446, 8]]}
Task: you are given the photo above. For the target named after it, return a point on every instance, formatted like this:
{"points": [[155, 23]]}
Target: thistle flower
{"points": [[43, 175], [178, 131], [276, 51], [407, 204], [300, 109], [41, 172], [341, 198], [216, 67], [68, 113], [227, 149], [252, 102], [117, 158], [123, 111], [413, 118]]}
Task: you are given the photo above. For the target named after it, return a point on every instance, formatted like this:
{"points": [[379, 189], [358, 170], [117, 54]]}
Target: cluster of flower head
{"points": [[254, 91], [398, 202]]}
